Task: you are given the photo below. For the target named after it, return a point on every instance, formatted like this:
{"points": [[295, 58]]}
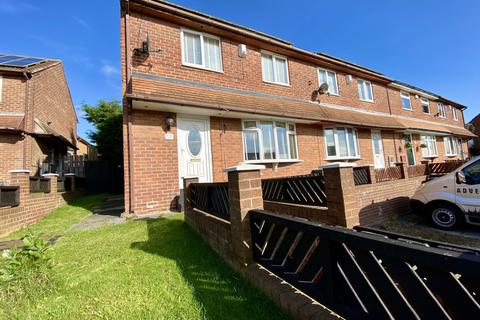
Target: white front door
{"points": [[377, 145], [194, 153]]}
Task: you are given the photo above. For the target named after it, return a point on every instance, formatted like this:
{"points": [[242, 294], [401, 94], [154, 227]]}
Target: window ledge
{"points": [[370, 101], [273, 161], [429, 157], [278, 83], [189, 65], [411, 110], [451, 155], [342, 158]]}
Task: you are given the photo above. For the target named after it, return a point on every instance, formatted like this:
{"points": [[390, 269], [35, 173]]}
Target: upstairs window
{"points": [[454, 113], [406, 103], [430, 149], [450, 146], [269, 140], [330, 78], [365, 90], [274, 68], [425, 106], [441, 110], [201, 50], [341, 143]]}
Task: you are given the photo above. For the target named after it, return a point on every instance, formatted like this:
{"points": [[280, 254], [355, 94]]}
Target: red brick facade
{"points": [[40, 100], [151, 161]]}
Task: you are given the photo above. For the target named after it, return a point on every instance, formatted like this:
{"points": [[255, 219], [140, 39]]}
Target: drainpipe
{"points": [[131, 191]]}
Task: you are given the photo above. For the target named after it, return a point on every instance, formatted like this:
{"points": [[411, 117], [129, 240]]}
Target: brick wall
{"points": [[13, 94], [33, 206], [11, 153]]}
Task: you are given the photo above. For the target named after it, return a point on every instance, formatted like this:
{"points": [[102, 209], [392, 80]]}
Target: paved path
{"points": [[106, 213]]}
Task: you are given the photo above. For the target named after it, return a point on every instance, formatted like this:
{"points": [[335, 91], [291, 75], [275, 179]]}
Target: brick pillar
{"points": [[245, 194], [371, 172], [341, 194], [53, 181], [403, 167], [21, 178], [427, 167]]}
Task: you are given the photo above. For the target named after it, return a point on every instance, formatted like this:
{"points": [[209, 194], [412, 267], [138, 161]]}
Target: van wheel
{"points": [[445, 216]]}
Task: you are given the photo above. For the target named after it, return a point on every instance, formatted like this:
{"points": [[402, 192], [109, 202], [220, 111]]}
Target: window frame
{"points": [[446, 140], [288, 133], [454, 113], [364, 82], [424, 140], [402, 96], [274, 57], [335, 139], [422, 100], [319, 69], [202, 49], [442, 114]]}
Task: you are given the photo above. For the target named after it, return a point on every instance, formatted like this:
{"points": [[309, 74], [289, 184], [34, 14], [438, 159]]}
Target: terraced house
{"points": [[202, 94]]}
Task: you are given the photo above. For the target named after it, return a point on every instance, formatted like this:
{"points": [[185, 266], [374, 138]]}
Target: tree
{"points": [[107, 119]]}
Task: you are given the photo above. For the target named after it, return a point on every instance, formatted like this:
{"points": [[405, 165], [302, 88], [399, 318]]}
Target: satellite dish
{"points": [[323, 88]]}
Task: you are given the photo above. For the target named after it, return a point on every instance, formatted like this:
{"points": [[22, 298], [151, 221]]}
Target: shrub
{"points": [[26, 270]]}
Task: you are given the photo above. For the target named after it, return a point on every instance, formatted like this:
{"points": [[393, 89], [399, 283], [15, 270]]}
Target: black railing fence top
{"points": [[211, 198], [361, 275]]}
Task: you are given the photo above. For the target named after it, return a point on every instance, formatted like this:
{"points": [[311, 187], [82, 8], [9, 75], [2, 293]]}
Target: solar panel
{"points": [[18, 61]]}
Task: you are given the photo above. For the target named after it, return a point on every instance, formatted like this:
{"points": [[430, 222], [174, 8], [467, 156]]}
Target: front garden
{"points": [[142, 269]]}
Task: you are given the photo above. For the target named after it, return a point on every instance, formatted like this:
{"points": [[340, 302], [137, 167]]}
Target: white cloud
{"points": [[11, 7], [109, 70], [84, 24]]}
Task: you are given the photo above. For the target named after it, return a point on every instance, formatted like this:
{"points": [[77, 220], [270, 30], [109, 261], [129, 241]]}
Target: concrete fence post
{"points": [[245, 194], [341, 193], [21, 178]]}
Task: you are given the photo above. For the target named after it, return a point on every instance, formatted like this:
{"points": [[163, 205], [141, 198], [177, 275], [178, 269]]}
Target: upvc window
{"points": [[430, 143], [201, 50], [274, 68], [341, 143], [269, 140], [330, 78], [425, 106], [441, 110], [406, 103], [450, 146], [454, 113], [365, 90]]}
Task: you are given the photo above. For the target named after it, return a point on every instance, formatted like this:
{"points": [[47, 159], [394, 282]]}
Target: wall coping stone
{"points": [[68, 174], [337, 165], [244, 167], [50, 175], [20, 171]]}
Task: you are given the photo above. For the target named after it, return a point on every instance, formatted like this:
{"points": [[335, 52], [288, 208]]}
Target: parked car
{"points": [[452, 199]]}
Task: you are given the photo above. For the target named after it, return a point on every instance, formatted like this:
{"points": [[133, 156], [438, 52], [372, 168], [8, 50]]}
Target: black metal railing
{"points": [[211, 198], [361, 175], [38, 184], [361, 275], [304, 190], [9, 196]]}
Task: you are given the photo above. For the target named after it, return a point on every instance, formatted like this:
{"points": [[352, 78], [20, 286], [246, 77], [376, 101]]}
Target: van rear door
{"points": [[468, 189]]}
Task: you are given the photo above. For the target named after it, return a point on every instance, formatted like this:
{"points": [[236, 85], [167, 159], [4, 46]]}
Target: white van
{"points": [[453, 198]]}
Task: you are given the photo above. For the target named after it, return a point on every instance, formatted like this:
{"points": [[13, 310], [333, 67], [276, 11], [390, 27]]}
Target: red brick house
{"points": [[202, 94], [38, 123]]}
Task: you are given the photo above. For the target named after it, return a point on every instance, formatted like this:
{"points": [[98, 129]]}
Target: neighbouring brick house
{"points": [[38, 123], [202, 94], [474, 144]]}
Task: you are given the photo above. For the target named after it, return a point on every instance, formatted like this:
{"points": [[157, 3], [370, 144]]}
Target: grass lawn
{"points": [[60, 219], [143, 269]]}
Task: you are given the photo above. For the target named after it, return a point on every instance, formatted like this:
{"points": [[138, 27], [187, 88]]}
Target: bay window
{"points": [[450, 146], [430, 146], [330, 78], [365, 90], [201, 50], [274, 68], [341, 143], [269, 140]]}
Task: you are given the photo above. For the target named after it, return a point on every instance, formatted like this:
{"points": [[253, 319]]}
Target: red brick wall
{"points": [[13, 94], [11, 153]]}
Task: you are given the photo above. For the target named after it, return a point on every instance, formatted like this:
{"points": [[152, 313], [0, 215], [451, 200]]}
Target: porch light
{"points": [[169, 121]]}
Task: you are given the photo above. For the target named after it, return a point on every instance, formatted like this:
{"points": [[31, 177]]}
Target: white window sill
{"points": [[406, 109], [427, 113], [430, 157], [200, 67], [451, 155], [363, 100], [273, 161], [278, 83], [342, 158], [333, 94]]}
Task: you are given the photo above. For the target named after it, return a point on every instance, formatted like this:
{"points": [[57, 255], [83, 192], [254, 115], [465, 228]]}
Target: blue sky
{"points": [[432, 44]]}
